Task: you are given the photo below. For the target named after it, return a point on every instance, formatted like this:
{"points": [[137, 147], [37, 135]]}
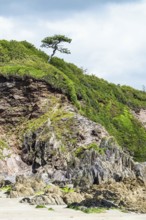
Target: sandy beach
{"points": [[11, 209]]}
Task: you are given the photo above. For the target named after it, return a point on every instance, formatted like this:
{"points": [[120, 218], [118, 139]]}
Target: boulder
{"points": [[26, 186], [73, 197], [52, 199]]}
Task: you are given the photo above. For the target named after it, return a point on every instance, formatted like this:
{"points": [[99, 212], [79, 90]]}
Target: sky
{"points": [[108, 36]]}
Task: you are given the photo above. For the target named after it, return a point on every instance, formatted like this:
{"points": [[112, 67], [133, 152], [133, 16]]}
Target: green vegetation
{"points": [[6, 189], [67, 189], [39, 193], [80, 150], [51, 209], [87, 210], [95, 210], [54, 43], [40, 206], [95, 98], [48, 187], [3, 145], [56, 119]]}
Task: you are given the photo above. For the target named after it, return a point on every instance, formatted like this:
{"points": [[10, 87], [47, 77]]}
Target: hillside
{"points": [[108, 104], [66, 137]]}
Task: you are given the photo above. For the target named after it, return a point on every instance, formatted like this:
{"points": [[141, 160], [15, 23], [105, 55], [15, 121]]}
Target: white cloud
{"points": [[6, 26], [12, 29], [110, 42]]}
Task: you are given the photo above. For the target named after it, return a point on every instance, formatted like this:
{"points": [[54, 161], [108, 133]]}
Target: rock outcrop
{"points": [[26, 186], [72, 149], [42, 133], [21, 99], [129, 195]]}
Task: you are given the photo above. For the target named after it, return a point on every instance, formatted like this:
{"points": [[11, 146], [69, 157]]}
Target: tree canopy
{"points": [[54, 43]]}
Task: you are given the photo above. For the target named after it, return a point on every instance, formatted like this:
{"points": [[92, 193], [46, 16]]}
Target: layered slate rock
{"points": [[44, 138], [42, 132]]}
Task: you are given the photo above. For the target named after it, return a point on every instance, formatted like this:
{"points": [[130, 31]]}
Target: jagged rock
{"points": [[61, 143], [19, 190], [128, 195], [92, 166], [25, 200], [2, 181], [52, 189], [53, 195], [26, 186], [52, 141], [108, 204], [140, 170], [51, 199], [12, 164]]}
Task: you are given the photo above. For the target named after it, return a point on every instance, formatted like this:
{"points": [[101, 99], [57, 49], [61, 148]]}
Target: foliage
{"points": [[102, 102], [54, 116], [55, 78], [13, 50], [3, 145], [80, 150], [39, 193], [54, 43], [67, 189], [6, 189]]}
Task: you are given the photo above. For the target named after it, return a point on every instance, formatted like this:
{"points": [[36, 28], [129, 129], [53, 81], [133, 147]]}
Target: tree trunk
{"points": [[54, 51]]}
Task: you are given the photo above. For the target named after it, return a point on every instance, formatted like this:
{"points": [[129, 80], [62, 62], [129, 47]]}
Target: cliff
{"points": [[100, 101], [67, 127], [44, 129]]}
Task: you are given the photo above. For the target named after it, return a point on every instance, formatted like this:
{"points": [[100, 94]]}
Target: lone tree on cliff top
{"points": [[54, 43]]}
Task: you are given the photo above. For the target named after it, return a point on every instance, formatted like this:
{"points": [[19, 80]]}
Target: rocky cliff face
{"points": [[20, 101], [43, 137], [73, 149], [41, 132]]}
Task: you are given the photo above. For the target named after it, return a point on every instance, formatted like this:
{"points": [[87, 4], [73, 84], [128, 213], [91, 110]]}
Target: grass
{"points": [[54, 77], [80, 150]]}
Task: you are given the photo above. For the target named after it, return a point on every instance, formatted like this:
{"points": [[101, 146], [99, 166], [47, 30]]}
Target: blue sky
{"points": [[108, 36], [41, 6]]}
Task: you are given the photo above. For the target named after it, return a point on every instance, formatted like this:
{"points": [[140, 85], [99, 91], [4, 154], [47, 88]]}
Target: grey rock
{"points": [[59, 146]]}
